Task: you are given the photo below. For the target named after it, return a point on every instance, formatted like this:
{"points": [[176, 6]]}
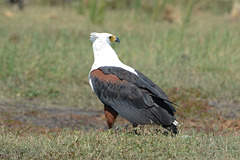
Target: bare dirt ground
{"points": [[25, 117]]}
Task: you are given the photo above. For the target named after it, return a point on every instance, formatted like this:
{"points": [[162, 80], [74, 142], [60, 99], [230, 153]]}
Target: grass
{"points": [[118, 145], [46, 55]]}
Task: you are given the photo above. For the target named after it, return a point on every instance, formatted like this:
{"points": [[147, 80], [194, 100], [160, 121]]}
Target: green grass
{"points": [[46, 54], [118, 145]]}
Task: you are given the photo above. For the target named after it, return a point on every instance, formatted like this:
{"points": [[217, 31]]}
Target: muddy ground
{"points": [[32, 117]]}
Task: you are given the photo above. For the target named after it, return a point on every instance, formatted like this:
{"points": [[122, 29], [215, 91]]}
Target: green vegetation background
{"points": [[46, 54], [189, 48]]}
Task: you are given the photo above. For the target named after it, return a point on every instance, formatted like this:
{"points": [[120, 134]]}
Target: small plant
{"points": [[189, 10], [158, 8], [97, 11], [80, 7]]}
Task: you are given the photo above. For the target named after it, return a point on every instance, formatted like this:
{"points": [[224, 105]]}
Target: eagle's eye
{"points": [[110, 37]]}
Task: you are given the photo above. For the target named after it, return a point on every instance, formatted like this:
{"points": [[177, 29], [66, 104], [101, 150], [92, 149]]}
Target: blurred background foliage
{"points": [[50, 37], [174, 11]]}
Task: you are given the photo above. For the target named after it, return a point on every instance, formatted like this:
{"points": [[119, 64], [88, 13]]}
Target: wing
{"points": [[127, 95], [159, 95], [141, 81]]}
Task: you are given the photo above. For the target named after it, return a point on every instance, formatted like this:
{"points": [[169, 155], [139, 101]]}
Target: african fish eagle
{"points": [[126, 91]]}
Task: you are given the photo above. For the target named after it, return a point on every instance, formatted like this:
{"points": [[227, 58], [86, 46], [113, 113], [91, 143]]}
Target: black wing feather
{"points": [[137, 99], [143, 82]]}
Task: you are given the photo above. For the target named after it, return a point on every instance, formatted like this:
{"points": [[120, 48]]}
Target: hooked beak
{"points": [[117, 39], [114, 39]]}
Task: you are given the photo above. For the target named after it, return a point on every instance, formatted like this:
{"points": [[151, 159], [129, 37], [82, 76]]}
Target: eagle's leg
{"points": [[110, 115]]}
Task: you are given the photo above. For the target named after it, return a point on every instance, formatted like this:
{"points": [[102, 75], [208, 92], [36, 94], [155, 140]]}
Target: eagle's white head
{"points": [[104, 55], [104, 37]]}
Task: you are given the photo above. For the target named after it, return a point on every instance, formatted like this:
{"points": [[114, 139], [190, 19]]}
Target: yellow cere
{"points": [[112, 38]]}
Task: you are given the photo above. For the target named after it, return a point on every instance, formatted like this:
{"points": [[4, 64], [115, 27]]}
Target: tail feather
{"points": [[174, 129]]}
